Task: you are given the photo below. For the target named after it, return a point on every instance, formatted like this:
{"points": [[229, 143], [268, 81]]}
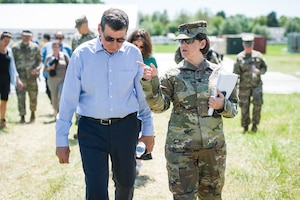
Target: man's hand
{"points": [[149, 142], [216, 103], [19, 83], [63, 154], [35, 71], [149, 71]]}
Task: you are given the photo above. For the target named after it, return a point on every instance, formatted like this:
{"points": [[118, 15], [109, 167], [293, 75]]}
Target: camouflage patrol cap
{"points": [[190, 30], [248, 39], [26, 33], [81, 20]]}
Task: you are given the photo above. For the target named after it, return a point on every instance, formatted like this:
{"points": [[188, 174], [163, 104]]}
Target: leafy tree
{"points": [[172, 27], [293, 25], [215, 25], [202, 14], [221, 14], [231, 26], [260, 30], [272, 20], [148, 25], [283, 21], [183, 17], [262, 20]]}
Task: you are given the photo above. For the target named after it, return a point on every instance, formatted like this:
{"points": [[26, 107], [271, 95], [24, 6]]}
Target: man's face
{"points": [[26, 39], [59, 37], [112, 40]]}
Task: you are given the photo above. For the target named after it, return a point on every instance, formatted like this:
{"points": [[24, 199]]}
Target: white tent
{"points": [[40, 18]]}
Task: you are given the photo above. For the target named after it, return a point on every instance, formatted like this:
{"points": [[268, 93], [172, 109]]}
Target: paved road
{"points": [[274, 82]]}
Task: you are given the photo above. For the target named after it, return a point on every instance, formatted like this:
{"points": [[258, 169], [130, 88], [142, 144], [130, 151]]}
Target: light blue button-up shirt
{"points": [[102, 85]]}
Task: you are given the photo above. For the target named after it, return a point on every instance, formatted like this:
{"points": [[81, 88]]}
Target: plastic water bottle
{"points": [[140, 149]]}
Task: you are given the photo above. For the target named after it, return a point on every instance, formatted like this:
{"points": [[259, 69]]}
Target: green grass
{"points": [[165, 48], [277, 58], [269, 164], [264, 165]]}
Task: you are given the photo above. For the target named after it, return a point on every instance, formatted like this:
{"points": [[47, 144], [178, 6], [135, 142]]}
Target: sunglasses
{"points": [[187, 41], [110, 39]]}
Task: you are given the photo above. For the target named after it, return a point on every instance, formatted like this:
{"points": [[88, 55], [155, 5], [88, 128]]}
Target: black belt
{"points": [[110, 121]]}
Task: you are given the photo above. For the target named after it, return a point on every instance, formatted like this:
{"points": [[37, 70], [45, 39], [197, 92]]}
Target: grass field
{"points": [[277, 58], [265, 165]]}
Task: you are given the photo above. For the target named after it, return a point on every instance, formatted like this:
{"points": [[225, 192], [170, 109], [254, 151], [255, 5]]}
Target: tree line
{"points": [[159, 23]]}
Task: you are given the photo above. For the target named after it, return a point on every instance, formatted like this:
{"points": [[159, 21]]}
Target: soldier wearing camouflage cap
{"points": [[250, 65], [27, 59], [195, 146], [84, 33]]}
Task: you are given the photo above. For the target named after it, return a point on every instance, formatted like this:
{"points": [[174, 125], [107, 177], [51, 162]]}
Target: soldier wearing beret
{"points": [[195, 147], [250, 65]]}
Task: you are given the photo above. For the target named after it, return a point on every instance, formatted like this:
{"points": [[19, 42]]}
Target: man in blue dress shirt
{"points": [[103, 86]]}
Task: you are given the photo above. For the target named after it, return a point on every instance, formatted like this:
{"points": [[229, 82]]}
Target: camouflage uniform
{"points": [[195, 146], [250, 85], [27, 58], [80, 38]]}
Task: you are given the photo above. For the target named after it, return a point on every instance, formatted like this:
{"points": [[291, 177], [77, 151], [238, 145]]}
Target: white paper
{"points": [[226, 82]]}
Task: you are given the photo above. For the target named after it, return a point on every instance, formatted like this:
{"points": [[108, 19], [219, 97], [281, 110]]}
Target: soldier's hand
{"points": [[34, 72], [217, 103]]}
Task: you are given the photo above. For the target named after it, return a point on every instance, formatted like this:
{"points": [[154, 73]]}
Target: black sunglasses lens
{"points": [[187, 41]]}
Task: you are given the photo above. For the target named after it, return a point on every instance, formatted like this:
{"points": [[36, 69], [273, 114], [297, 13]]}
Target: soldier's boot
{"points": [[22, 120], [32, 117], [245, 129], [254, 128]]}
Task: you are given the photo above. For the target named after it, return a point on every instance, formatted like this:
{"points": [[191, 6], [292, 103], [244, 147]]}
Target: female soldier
{"points": [[195, 146]]}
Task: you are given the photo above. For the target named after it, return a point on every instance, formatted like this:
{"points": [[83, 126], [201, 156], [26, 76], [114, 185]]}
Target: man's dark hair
{"points": [[115, 18], [6, 34], [47, 36]]}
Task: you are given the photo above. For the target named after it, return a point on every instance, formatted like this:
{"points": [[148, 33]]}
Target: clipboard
{"points": [[226, 83]]}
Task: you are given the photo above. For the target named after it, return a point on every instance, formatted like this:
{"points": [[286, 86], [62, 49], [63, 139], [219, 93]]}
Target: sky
{"points": [[250, 8]]}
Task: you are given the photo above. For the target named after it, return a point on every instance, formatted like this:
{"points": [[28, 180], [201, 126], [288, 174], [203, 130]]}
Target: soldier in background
{"points": [[195, 146], [27, 59], [249, 65], [84, 33]]}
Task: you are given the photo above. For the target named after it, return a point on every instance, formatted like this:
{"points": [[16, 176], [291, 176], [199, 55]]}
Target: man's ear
{"points": [[99, 29]]}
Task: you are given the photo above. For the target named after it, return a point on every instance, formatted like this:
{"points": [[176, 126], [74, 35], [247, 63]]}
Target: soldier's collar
{"points": [[187, 65]]}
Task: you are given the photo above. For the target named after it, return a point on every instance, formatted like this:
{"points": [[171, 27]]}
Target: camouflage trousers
{"points": [[197, 173], [245, 99], [31, 87]]}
